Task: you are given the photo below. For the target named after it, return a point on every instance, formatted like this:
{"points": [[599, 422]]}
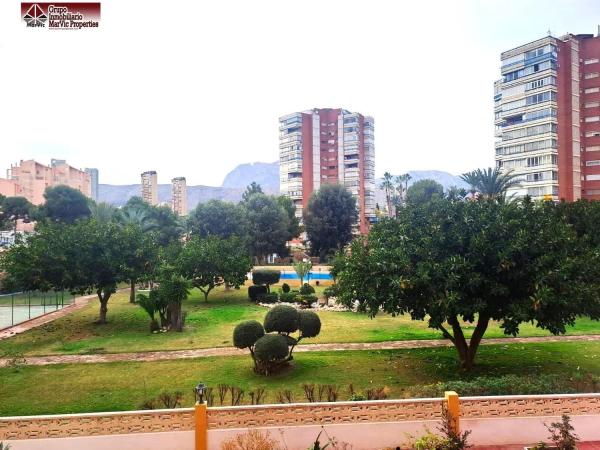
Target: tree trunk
{"points": [[132, 291], [466, 350], [176, 316], [103, 297]]}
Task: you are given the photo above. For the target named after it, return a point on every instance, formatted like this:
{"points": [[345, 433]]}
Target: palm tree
{"points": [[388, 186], [103, 212], [402, 187], [490, 183], [137, 217]]}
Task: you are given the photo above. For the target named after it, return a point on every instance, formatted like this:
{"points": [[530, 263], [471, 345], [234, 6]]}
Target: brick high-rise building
{"points": [[321, 146], [547, 117], [150, 187], [179, 196], [30, 179]]}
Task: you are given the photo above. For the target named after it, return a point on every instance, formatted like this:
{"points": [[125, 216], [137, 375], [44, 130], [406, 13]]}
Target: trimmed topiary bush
{"points": [[245, 334], [266, 277], [285, 288], [270, 351], [330, 291], [308, 300], [254, 292], [309, 324], [270, 297], [307, 289], [288, 297], [282, 319]]}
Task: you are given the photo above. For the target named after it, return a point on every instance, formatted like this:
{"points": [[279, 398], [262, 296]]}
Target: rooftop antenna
{"points": [[550, 32], [598, 35]]}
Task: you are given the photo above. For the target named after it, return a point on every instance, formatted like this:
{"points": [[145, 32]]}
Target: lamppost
{"points": [[199, 390]]}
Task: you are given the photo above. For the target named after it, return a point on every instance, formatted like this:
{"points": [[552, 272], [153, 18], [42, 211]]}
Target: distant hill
{"points": [[235, 182], [265, 174]]}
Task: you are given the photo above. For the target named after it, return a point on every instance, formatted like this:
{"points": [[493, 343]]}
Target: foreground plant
{"points": [[561, 434]]}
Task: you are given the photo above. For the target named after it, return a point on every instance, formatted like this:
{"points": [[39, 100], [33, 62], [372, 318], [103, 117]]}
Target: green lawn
{"points": [[121, 386], [211, 325]]}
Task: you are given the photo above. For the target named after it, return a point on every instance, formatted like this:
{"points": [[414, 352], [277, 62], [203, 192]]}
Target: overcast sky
{"points": [[194, 88]]}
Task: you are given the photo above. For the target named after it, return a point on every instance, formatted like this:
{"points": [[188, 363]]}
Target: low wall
{"points": [[364, 425]]}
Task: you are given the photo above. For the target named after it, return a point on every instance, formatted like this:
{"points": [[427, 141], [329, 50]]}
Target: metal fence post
{"points": [[29, 302], [453, 408], [12, 309]]}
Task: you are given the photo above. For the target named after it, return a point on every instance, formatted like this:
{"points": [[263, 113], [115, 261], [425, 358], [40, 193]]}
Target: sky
{"points": [[194, 88]]}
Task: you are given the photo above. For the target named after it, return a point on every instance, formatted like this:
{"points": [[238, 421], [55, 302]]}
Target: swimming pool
{"points": [[312, 276]]}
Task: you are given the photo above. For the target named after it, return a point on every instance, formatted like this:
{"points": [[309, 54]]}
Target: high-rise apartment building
{"points": [[179, 196], [150, 187], [94, 180], [547, 117], [321, 146], [30, 179]]}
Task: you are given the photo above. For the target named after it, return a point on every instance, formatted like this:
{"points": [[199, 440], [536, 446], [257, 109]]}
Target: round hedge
{"points": [[255, 292], [307, 289], [309, 324], [282, 319], [245, 334], [285, 288], [271, 348]]}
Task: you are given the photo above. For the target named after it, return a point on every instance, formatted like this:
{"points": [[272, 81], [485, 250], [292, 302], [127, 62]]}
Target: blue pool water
{"points": [[313, 276]]}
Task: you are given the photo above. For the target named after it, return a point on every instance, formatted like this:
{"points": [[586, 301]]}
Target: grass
{"points": [[72, 388], [211, 325]]}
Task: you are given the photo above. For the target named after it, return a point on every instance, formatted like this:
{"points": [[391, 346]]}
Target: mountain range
{"points": [[235, 182]]}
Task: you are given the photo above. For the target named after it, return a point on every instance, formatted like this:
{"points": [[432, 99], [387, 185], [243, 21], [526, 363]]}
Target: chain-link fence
{"points": [[18, 307]]}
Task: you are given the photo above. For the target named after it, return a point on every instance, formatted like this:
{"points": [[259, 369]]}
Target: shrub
{"points": [[307, 289], [245, 334], [308, 299], [330, 291], [254, 292], [266, 277], [270, 297], [287, 297], [561, 434], [251, 440], [285, 287], [309, 324], [282, 319], [270, 351]]}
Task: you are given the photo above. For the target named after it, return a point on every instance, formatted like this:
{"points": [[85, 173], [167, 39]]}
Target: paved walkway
{"points": [[229, 351]]}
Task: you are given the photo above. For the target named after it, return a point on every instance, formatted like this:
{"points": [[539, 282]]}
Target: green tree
{"points": [[251, 189], [490, 183], [141, 256], [15, 209], [82, 257], [103, 212], [268, 226], [329, 219], [456, 262], [424, 191], [302, 269], [218, 218], [211, 262], [65, 204], [175, 289], [388, 187], [401, 182], [160, 219], [294, 228]]}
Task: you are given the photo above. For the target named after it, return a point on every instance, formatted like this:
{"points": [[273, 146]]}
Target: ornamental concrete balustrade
{"points": [[502, 420]]}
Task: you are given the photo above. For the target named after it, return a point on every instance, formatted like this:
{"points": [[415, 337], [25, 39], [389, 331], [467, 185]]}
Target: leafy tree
{"points": [[149, 303], [65, 204], [302, 269], [268, 226], [175, 289], [490, 183], [138, 217], [401, 188], [329, 219], [141, 256], [82, 257], [218, 218], [160, 219], [294, 228], [457, 262], [252, 189], [15, 209], [213, 261], [424, 191]]}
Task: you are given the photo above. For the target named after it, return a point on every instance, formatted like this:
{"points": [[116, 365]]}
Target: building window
{"points": [[592, 119], [592, 134], [593, 148], [595, 162], [592, 90], [589, 76], [591, 104], [591, 61], [595, 177]]}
